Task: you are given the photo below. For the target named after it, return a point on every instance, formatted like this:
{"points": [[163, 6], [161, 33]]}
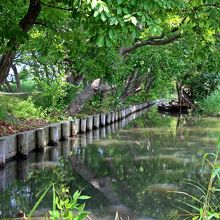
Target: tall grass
{"points": [[211, 104], [205, 204]]}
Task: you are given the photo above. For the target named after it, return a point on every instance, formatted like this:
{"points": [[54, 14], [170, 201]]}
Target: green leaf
{"points": [[94, 3], [100, 41], [134, 20], [39, 201], [111, 34], [103, 17], [84, 197]]}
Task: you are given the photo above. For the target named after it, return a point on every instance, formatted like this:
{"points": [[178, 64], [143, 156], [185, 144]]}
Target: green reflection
{"points": [[138, 165]]}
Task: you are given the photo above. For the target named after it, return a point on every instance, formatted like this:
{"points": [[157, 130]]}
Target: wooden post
{"points": [[65, 130], [2, 153], [40, 139], [96, 121], [103, 119], [22, 145], [75, 127], [89, 123], [83, 125], [53, 135]]}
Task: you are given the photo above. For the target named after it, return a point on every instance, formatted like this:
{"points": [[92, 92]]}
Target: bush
{"points": [[53, 92], [211, 104], [26, 109], [14, 107]]}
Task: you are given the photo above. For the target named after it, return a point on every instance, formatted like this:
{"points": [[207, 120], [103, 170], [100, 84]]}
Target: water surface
{"points": [[129, 169]]}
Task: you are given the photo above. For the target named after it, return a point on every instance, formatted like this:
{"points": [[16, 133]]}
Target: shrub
{"points": [[26, 109], [211, 104], [14, 107], [53, 92]]}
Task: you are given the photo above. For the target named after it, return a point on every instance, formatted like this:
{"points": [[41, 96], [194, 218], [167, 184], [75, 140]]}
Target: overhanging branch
{"points": [[151, 41], [56, 7]]}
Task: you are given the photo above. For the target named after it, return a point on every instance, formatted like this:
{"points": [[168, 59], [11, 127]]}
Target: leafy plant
{"points": [[26, 109], [53, 92], [211, 104], [64, 206]]}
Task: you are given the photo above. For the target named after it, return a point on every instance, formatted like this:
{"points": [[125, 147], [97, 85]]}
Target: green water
{"points": [[130, 171]]}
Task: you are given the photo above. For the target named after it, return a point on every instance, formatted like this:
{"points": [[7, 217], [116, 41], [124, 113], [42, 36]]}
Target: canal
{"points": [[127, 167]]}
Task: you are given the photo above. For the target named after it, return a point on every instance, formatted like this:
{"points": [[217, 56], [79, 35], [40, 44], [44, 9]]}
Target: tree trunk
{"points": [[5, 64], [76, 105], [25, 24], [8, 86], [17, 80]]}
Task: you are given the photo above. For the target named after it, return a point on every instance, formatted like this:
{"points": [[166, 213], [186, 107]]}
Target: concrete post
{"points": [[108, 118], [2, 180], [40, 139], [123, 113], [22, 170], [22, 145], [53, 135], [89, 137], [75, 127], [116, 126], [83, 142], [65, 130], [103, 119], [96, 121], [96, 134], [2, 153], [89, 123], [120, 114], [83, 125], [116, 115], [108, 129], [112, 117], [113, 128], [65, 147], [53, 154], [102, 132]]}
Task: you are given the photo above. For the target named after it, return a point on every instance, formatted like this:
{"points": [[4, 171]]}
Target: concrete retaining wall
{"points": [[19, 145]]}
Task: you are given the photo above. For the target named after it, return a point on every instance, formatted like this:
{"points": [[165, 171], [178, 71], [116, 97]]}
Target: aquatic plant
{"points": [[64, 206]]}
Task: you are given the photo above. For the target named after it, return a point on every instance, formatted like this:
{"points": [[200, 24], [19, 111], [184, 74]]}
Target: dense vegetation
{"points": [[134, 50]]}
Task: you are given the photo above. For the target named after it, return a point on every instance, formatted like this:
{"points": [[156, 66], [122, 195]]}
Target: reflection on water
{"points": [[130, 169]]}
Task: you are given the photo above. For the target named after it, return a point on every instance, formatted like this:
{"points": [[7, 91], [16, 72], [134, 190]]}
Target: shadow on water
{"points": [[130, 168]]}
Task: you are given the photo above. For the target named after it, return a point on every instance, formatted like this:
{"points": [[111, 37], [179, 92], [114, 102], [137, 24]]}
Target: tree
{"points": [[65, 36]]}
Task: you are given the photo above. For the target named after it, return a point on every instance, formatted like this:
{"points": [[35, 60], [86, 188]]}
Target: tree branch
{"points": [[151, 41], [45, 25], [56, 7]]}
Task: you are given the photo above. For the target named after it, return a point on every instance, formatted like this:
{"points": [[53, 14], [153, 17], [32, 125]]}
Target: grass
{"points": [[205, 204], [211, 104]]}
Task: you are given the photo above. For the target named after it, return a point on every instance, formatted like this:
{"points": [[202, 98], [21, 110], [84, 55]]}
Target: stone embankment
{"points": [[21, 144]]}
